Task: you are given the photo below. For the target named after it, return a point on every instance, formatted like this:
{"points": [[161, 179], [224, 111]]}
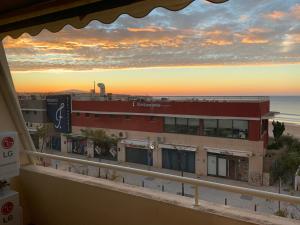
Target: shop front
{"points": [[228, 164], [138, 151], [107, 153], [78, 145], [179, 158], [55, 142]]}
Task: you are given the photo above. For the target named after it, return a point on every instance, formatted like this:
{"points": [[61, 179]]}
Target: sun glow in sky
{"points": [[237, 48]]}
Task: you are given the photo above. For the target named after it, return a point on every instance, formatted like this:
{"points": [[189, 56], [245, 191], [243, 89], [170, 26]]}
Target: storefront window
{"points": [[210, 127], [182, 125], [193, 126], [225, 128], [169, 125], [240, 129]]}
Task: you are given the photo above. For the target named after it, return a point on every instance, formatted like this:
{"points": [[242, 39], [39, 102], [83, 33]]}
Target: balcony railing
{"points": [[194, 182]]}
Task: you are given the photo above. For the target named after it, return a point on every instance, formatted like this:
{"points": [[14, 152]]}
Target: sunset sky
{"points": [[237, 48]]}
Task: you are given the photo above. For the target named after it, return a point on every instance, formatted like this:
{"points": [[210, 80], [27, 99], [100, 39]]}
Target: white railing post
{"points": [[196, 195]]}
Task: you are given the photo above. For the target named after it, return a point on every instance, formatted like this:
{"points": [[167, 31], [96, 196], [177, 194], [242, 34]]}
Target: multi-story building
{"points": [[215, 136], [34, 112]]}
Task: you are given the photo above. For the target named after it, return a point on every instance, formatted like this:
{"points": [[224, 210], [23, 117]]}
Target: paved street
{"points": [[207, 194]]}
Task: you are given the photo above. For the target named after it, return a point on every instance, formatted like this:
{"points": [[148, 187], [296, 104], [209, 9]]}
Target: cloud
{"points": [[275, 15], [237, 32], [295, 11]]}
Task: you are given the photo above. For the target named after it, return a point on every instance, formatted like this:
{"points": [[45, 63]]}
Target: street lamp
{"points": [[180, 157], [150, 153]]}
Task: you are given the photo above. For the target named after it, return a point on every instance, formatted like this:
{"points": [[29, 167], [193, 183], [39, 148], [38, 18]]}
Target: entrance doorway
{"points": [[180, 160], [228, 166]]}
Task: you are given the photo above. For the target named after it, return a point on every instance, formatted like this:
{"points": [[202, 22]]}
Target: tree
{"points": [[101, 139], [287, 165], [278, 129], [43, 132]]}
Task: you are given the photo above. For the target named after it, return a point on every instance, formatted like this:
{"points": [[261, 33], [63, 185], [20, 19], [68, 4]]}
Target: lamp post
{"points": [[180, 156], [150, 155]]}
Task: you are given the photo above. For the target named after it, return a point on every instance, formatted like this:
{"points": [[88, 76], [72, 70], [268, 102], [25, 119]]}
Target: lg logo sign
{"points": [[7, 208], [6, 211], [7, 143]]}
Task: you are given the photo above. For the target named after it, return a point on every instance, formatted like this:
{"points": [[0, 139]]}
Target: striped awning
{"points": [[32, 16], [232, 152], [178, 147]]}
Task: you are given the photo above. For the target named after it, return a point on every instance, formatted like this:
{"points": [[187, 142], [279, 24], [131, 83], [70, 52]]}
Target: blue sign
{"points": [[59, 112]]}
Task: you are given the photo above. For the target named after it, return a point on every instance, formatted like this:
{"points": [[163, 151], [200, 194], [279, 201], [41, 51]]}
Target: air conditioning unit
{"points": [[160, 140], [122, 134]]}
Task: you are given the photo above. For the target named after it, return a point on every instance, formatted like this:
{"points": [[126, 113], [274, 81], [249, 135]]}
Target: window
{"points": [[96, 115], [169, 125], [34, 112], [225, 128], [211, 127], [127, 117], [193, 126], [240, 129], [87, 115], [152, 118], [264, 126], [78, 114], [181, 125]]}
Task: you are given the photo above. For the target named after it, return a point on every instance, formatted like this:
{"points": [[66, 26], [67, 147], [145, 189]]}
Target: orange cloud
{"points": [[253, 40], [145, 29], [275, 15], [218, 42], [258, 30], [296, 11]]}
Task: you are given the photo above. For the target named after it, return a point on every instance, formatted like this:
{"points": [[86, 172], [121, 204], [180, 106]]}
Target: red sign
{"points": [[7, 208], [7, 142]]}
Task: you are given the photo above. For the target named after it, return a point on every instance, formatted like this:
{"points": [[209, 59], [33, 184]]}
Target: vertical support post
{"points": [[225, 201], [162, 188], [69, 168], [255, 207], [143, 183], [196, 195], [123, 180], [279, 188], [182, 185]]}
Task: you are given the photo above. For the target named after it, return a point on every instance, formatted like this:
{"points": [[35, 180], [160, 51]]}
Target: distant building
{"points": [[209, 136], [214, 136], [35, 115]]}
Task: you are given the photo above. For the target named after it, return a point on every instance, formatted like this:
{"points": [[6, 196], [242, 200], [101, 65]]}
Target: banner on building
{"points": [[59, 112]]}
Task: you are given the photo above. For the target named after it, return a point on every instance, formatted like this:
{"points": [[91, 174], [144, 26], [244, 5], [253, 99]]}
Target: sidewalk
{"points": [[207, 194]]}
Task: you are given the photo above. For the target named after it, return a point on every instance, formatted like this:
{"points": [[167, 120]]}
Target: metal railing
{"points": [[194, 182], [214, 98]]}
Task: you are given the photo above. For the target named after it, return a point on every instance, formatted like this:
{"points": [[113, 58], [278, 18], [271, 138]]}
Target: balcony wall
{"points": [[58, 197]]}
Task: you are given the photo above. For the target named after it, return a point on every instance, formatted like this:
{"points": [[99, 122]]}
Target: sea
{"points": [[288, 107]]}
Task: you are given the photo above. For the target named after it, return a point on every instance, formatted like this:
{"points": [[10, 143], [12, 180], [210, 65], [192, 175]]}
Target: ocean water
{"points": [[288, 106]]}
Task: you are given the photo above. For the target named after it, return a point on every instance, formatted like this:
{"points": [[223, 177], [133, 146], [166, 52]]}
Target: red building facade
{"points": [[217, 137]]}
